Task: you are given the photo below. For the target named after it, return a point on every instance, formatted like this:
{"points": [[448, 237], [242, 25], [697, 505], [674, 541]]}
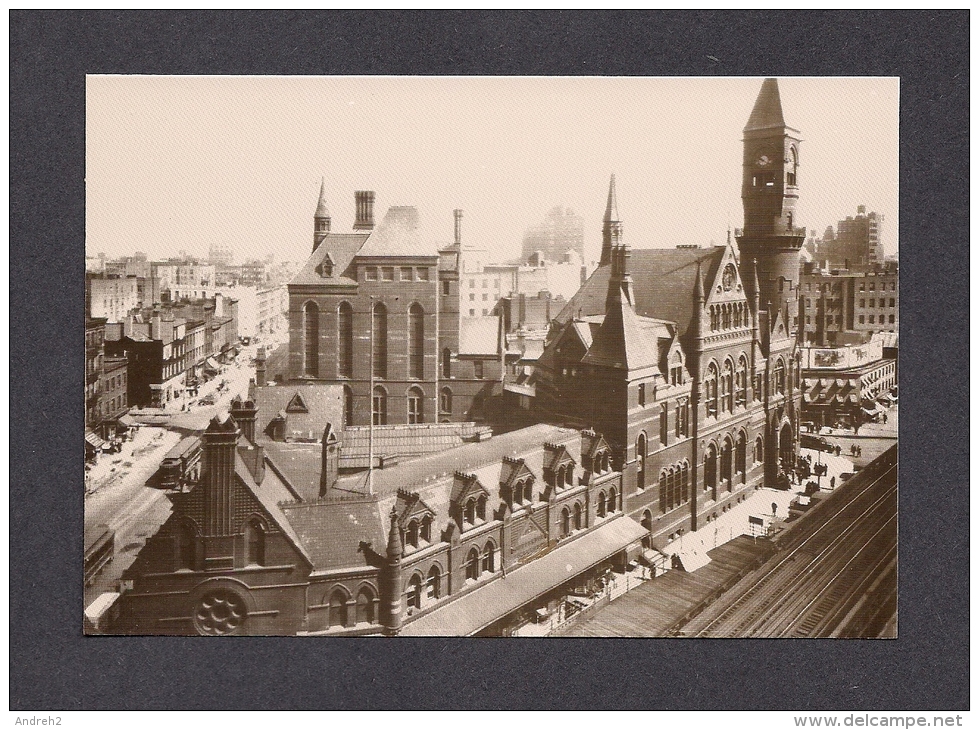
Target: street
{"points": [[116, 491]]}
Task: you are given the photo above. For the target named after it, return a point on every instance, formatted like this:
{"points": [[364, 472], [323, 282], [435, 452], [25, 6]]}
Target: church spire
{"points": [[321, 218], [767, 112], [611, 225]]}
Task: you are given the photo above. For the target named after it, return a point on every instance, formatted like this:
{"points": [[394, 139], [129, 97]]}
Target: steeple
{"points": [[767, 112], [611, 225], [321, 218], [391, 580], [698, 300]]}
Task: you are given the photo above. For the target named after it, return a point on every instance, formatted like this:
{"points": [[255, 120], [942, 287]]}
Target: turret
{"points": [[321, 218], [391, 580], [329, 460]]}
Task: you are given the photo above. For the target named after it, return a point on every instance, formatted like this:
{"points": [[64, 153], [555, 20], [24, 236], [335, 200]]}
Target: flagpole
{"points": [[370, 431]]}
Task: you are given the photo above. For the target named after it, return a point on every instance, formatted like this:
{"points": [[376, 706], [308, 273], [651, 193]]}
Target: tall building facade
{"points": [[560, 232], [856, 244], [378, 312]]}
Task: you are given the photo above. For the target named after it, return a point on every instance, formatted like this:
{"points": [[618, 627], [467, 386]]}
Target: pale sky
{"points": [[181, 162]]}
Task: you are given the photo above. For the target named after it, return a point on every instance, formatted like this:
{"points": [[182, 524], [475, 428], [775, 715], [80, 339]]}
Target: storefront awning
{"points": [[211, 364], [94, 440], [477, 610], [126, 420]]}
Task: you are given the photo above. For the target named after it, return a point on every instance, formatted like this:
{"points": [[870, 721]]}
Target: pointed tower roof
{"points": [[611, 208], [321, 210], [698, 286], [767, 113]]}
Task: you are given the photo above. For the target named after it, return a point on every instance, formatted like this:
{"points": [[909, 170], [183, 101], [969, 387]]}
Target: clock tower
{"points": [[769, 192]]}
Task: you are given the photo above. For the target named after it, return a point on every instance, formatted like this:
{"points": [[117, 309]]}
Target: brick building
{"points": [[377, 311], [841, 307]]}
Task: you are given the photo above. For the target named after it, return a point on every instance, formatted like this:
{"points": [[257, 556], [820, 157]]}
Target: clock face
{"points": [[764, 161]]}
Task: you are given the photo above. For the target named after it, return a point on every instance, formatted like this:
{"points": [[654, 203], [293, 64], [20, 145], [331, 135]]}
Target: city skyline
{"points": [[186, 162]]}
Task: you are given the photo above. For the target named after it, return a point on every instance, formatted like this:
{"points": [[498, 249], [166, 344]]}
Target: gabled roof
{"points": [[555, 455], [663, 282], [297, 404], [341, 248], [465, 484], [592, 443], [409, 504], [513, 471], [331, 531], [323, 404]]}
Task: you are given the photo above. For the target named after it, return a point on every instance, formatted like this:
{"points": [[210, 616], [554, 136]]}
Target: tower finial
{"points": [[698, 287], [321, 210], [767, 112], [611, 225], [321, 218]]}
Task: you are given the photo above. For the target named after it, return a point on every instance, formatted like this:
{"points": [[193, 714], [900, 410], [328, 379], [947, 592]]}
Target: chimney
{"points": [[244, 414], [156, 327], [260, 367], [218, 479], [364, 202], [329, 460], [458, 227]]}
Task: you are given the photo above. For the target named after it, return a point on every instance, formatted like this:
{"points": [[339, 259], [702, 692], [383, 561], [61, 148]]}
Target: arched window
{"points": [[426, 528], [413, 596], [741, 455], [311, 340], [345, 340], [416, 405], [611, 504], [433, 583], [380, 336], [470, 512], [779, 376], [710, 390], [601, 504], [489, 558], [790, 175], [338, 608], [481, 507], [348, 406], [411, 534], [727, 473], [445, 402], [416, 342], [446, 363], [186, 547], [759, 454], [577, 515], [664, 504], [472, 565], [676, 369], [254, 543], [727, 389], [569, 474], [528, 491], [684, 483], [741, 383], [379, 406], [365, 606], [710, 471], [641, 461], [565, 522]]}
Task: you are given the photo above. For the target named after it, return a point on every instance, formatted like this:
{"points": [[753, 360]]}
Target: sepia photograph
{"points": [[491, 356]]}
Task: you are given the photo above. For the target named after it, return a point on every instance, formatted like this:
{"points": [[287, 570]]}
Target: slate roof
{"points": [[331, 532], [341, 247], [663, 282], [324, 403], [397, 235], [479, 336], [621, 342], [767, 112]]}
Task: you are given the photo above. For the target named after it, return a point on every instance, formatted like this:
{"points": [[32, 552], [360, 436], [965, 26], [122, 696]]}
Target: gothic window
{"points": [[779, 377], [710, 390], [338, 608], [759, 451], [411, 534], [612, 496], [647, 524], [758, 386], [676, 369], [379, 407], [426, 528], [311, 339], [741, 455], [416, 405], [472, 565], [380, 345], [664, 432], [680, 426], [416, 341], [365, 606], [445, 402], [727, 475], [254, 543], [528, 491], [446, 363], [741, 382], [481, 507], [414, 594], [642, 394], [345, 341], [565, 522], [601, 504], [641, 461], [434, 583], [710, 471], [577, 516], [684, 495], [664, 505], [727, 400]]}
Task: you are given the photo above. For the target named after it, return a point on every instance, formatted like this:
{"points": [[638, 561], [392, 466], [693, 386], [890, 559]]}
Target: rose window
{"points": [[220, 612]]}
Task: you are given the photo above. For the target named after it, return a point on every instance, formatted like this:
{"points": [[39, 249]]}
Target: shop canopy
{"points": [[493, 601], [126, 420], [211, 364], [93, 440]]}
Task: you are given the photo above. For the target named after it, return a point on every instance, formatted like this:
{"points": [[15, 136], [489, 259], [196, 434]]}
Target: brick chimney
{"points": [[260, 367], [458, 226], [218, 482], [364, 218]]}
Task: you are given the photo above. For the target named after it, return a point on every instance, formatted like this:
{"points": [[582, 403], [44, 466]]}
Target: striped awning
{"points": [[94, 440]]}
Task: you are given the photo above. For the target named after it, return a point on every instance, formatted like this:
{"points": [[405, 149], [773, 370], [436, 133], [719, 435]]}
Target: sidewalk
{"points": [[111, 467]]}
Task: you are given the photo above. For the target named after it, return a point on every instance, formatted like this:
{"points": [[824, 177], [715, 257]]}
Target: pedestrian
{"points": [[774, 509], [832, 482], [838, 450]]}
